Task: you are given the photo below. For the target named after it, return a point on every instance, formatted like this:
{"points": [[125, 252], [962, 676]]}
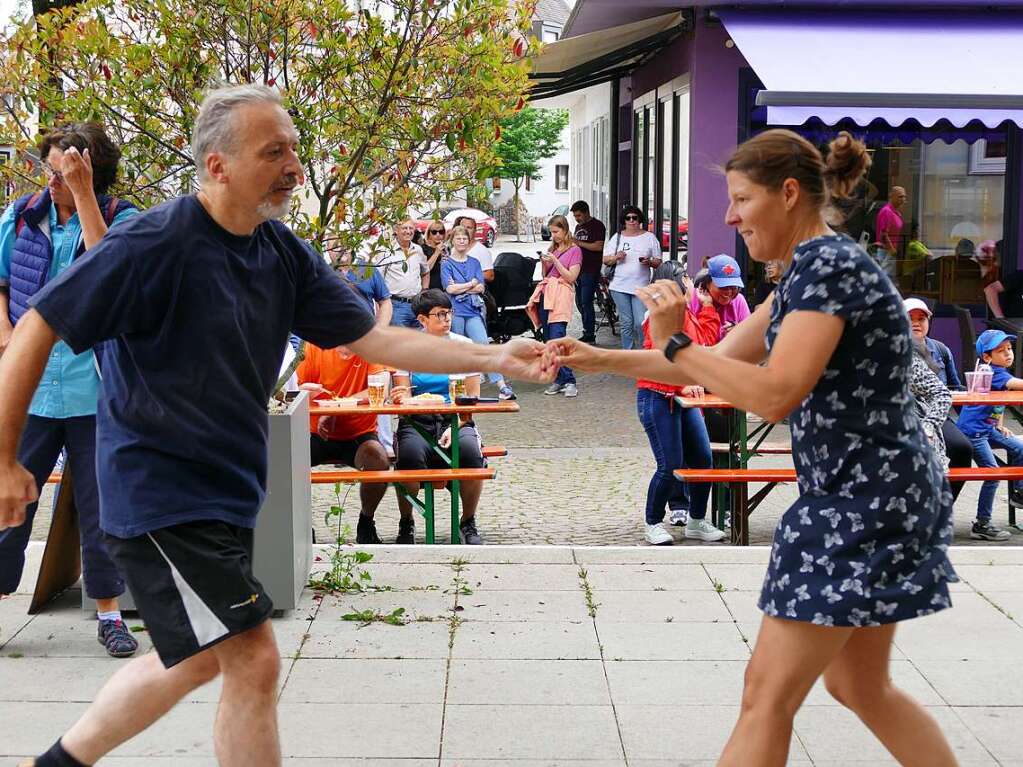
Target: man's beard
{"points": [[268, 210]]}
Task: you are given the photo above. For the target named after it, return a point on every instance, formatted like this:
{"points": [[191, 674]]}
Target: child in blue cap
{"points": [[982, 425]]}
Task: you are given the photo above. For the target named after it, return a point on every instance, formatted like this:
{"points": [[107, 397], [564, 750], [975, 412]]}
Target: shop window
{"points": [[561, 178]]}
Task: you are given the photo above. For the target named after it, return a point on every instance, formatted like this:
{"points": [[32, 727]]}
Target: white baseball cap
{"points": [[917, 304]]}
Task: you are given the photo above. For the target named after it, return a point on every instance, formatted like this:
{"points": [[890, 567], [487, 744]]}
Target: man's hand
{"points": [[1006, 432], [17, 490], [77, 172], [696, 392], [573, 353], [526, 360], [667, 305], [445, 439]]}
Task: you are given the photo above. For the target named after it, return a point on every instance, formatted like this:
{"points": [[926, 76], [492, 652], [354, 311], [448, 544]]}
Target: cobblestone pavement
{"points": [[576, 473]]}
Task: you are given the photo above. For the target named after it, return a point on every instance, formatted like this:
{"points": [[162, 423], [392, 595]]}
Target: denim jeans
{"points": [[983, 453], [41, 443], [585, 290], [678, 439], [630, 319], [551, 331], [403, 316], [475, 329]]}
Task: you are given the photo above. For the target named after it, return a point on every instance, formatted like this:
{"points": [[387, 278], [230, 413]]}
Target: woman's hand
{"points": [[572, 353], [620, 256], [77, 172], [705, 298], [398, 393], [445, 439], [667, 305], [695, 392]]}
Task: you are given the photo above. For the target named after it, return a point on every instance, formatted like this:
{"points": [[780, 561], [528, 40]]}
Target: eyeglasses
{"points": [[632, 217], [440, 315], [51, 173], [435, 231]]}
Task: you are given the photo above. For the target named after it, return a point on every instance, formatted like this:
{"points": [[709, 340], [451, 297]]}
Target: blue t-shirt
{"points": [[199, 318], [979, 420], [466, 304], [373, 286]]}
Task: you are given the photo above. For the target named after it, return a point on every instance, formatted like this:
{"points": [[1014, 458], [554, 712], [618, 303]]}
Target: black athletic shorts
{"points": [[193, 585], [323, 451]]}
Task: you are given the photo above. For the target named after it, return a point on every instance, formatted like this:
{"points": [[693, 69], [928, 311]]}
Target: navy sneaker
{"points": [[114, 635], [470, 535]]}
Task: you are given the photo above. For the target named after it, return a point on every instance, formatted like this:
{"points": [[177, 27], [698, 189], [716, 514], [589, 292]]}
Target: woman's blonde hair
{"points": [[459, 230], [562, 223]]}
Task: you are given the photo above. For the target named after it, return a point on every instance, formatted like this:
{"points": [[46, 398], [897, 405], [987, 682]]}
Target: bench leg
{"points": [[740, 513], [428, 513]]}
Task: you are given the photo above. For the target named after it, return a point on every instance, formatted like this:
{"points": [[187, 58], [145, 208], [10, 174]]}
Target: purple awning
{"points": [[858, 65]]}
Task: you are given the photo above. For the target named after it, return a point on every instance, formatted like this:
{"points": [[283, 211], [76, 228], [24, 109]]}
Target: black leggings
{"points": [[959, 450]]}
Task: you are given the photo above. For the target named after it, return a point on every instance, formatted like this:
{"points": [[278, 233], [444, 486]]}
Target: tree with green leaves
{"points": [[527, 137], [397, 102]]}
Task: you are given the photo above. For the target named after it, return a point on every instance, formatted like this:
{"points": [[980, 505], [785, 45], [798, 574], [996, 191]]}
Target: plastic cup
{"points": [[378, 388], [971, 381], [456, 387]]}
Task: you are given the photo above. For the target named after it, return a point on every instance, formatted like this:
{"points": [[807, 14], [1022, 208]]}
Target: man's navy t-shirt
{"points": [[199, 318]]}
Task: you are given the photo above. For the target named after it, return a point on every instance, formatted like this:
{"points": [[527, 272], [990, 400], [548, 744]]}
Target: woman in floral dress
{"points": [[865, 545]]}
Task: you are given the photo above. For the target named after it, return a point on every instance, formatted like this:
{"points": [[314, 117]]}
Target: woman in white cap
{"points": [[957, 447]]}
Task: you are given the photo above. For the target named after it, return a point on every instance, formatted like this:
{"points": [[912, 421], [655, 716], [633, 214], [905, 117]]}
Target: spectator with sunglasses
{"points": [[435, 249], [633, 252]]}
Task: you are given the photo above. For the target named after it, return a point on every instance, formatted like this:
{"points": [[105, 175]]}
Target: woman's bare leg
{"points": [[858, 679], [788, 658]]}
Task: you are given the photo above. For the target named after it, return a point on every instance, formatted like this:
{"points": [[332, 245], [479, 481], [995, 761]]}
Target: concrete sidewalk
{"points": [[522, 657]]}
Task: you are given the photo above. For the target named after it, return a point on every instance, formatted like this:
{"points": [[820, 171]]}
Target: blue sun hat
{"points": [[989, 340]]}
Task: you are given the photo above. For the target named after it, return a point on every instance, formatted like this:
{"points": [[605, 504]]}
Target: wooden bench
{"points": [[743, 505]]}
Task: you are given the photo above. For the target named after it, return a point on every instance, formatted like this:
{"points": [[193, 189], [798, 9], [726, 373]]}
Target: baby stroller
{"points": [[512, 286]]}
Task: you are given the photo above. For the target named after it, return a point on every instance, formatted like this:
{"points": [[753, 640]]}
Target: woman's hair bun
{"points": [[848, 160]]}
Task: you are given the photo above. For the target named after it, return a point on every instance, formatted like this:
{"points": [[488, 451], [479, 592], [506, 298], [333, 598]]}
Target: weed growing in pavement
{"points": [[591, 606], [346, 573], [719, 587], [365, 617], [453, 624], [459, 585]]}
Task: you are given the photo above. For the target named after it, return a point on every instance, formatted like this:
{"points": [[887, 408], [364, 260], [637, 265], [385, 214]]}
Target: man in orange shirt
{"points": [[350, 440]]}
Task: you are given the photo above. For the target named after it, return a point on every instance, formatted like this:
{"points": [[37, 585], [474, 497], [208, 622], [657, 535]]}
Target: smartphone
{"points": [[466, 400]]}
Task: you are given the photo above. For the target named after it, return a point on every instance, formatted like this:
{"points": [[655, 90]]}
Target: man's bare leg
{"points": [[150, 690], [245, 734]]}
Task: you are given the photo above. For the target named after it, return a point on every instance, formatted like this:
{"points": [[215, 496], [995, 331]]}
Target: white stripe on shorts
{"points": [[206, 626]]}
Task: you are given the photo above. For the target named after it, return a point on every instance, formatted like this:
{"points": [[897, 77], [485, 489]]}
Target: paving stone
{"points": [[316, 680], [31, 728], [672, 641], [992, 578], [365, 730], [998, 728], [515, 577], [667, 606], [835, 733], [973, 628], [526, 641], [337, 640], [527, 682], [531, 732], [733, 577], [13, 616], [532, 606], [975, 681], [638, 577], [69, 633], [698, 732]]}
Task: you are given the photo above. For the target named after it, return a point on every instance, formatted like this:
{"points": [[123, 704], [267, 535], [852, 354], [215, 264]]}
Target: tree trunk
{"points": [[515, 211]]}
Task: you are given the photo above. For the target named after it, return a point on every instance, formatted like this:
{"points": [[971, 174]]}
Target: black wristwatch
{"points": [[675, 343]]}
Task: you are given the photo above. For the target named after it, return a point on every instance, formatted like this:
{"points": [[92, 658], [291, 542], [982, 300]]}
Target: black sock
{"points": [[58, 757]]}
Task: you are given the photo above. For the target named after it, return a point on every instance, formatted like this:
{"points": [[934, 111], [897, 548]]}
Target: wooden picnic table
{"points": [[408, 412]]}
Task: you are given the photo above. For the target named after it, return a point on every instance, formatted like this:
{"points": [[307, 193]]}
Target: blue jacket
{"points": [[33, 250], [942, 356]]}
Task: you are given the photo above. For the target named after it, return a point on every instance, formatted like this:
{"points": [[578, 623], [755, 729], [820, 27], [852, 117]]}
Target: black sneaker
{"points": [[114, 636], [366, 532], [470, 535], [406, 531], [588, 339], [985, 531]]}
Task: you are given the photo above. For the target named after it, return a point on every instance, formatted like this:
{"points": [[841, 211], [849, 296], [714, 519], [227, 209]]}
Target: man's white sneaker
{"points": [[570, 390], [554, 388], [658, 536], [703, 530]]}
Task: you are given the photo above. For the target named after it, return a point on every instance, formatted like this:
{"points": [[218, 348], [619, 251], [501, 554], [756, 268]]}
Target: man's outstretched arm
{"points": [[21, 367]]}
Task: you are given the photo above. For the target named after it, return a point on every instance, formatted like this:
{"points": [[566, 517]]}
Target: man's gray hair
{"points": [[214, 126]]}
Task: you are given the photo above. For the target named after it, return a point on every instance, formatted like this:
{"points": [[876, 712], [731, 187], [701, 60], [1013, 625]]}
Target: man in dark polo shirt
{"points": [[589, 236], [197, 297]]}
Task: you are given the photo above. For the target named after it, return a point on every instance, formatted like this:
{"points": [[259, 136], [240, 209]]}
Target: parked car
{"points": [[683, 232], [486, 226], [561, 210]]}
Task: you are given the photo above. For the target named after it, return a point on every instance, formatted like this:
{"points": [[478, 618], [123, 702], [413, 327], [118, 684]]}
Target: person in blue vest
{"points": [[40, 235]]}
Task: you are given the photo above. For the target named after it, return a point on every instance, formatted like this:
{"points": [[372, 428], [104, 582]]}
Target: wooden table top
{"points": [[507, 406], [1012, 398]]}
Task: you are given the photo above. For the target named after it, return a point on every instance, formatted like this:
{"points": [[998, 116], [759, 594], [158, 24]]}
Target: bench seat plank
{"points": [[965, 474]]}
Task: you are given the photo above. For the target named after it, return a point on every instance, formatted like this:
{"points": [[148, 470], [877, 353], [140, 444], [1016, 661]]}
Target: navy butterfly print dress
{"points": [[867, 541]]}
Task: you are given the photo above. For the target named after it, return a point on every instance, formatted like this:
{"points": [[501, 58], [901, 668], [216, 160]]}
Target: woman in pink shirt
{"points": [[561, 265], [723, 281]]}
